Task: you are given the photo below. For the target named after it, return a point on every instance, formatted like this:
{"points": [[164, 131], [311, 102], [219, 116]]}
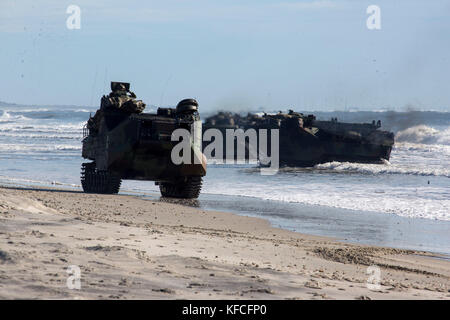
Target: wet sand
{"points": [[131, 248]]}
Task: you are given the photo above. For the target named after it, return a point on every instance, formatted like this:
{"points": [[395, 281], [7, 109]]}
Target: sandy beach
{"points": [[130, 248]]}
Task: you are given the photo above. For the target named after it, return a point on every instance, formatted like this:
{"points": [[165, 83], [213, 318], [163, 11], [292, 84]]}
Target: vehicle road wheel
{"points": [[98, 181], [188, 189]]}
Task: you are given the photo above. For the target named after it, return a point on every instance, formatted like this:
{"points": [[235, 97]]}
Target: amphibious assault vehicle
{"points": [[305, 141], [124, 143]]}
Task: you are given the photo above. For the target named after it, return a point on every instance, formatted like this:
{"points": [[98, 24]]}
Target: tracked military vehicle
{"points": [[305, 141], [124, 143]]}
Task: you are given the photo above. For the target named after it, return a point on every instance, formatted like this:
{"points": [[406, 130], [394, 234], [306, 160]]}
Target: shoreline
{"points": [[345, 225], [132, 248]]}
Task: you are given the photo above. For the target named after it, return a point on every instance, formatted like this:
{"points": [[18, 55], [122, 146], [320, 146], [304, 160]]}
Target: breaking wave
{"points": [[6, 117], [362, 198], [387, 168], [37, 148], [424, 135]]}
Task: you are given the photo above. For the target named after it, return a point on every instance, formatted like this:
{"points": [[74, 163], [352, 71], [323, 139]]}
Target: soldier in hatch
{"points": [[120, 98]]}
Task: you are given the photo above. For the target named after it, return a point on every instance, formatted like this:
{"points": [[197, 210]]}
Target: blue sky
{"points": [[237, 55]]}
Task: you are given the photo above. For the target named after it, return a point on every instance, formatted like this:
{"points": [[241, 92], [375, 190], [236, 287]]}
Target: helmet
{"points": [[187, 105], [120, 86]]}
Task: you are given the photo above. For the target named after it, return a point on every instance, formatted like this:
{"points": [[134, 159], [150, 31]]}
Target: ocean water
{"points": [[42, 146]]}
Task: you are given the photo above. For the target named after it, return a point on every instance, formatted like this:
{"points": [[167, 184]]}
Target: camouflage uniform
{"points": [[120, 98]]}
